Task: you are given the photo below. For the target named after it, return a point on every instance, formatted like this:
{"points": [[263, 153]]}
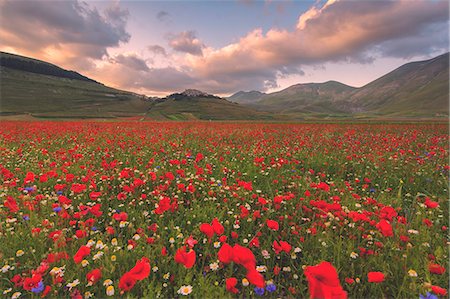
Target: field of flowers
{"points": [[213, 210]]}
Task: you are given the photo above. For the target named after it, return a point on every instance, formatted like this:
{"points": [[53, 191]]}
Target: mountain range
{"points": [[414, 90]]}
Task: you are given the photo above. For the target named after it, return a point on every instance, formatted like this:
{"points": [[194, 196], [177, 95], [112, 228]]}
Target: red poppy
{"points": [[431, 204], [190, 241], [127, 282], [285, 246], [81, 254], [218, 228], [255, 278], [207, 229], [46, 291], [375, 277], [438, 290], [436, 269], [276, 247], [185, 258], [225, 254], [323, 282], [231, 285], [273, 225], [141, 270], [385, 228], [244, 256], [32, 282], [93, 276]]}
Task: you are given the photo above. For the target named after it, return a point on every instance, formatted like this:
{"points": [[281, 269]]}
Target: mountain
{"points": [[416, 89], [246, 97], [31, 65], [306, 98], [195, 104], [30, 86]]}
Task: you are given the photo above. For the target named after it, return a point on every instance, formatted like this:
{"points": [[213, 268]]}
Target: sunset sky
{"points": [[221, 47]]}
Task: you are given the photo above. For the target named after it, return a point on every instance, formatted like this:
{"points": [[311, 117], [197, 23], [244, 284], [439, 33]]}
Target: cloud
{"points": [[132, 61], [148, 81], [337, 31], [186, 42], [163, 16], [68, 32], [157, 50]]}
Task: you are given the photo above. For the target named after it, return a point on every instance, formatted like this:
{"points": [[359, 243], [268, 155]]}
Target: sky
{"points": [[221, 47]]}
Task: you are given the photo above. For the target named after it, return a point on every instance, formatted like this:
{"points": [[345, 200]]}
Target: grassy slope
{"points": [[304, 99], [414, 89], [25, 92], [204, 109]]}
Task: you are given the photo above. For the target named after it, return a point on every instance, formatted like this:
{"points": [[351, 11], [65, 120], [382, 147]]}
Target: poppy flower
{"points": [[185, 258], [244, 256], [323, 282], [231, 285], [141, 270], [273, 225], [93, 276], [127, 282], [191, 241], [436, 269], [207, 229], [225, 254], [438, 290], [217, 227], [375, 277], [30, 283], [81, 254], [255, 278], [385, 228], [431, 204]]}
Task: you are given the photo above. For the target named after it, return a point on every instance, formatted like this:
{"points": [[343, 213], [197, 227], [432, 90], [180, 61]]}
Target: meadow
{"points": [[222, 210]]}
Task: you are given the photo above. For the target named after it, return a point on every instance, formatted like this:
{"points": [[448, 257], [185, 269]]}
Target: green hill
{"points": [[46, 90], [307, 99], [416, 89], [193, 104], [246, 97]]}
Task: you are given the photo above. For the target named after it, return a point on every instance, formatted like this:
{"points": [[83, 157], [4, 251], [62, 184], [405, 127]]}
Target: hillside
{"points": [[416, 89], [246, 97], [31, 65], [193, 104], [309, 98], [30, 86]]}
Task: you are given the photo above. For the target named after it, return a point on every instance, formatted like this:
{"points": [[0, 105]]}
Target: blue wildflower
{"points": [[59, 192], [57, 209], [428, 296], [39, 288], [259, 291], [26, 217], [372, 190], [94, 228], [271, 288], [29, 189]]}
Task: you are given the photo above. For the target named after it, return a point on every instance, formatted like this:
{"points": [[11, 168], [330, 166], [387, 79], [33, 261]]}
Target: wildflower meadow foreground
{"points": [[218, 210]]}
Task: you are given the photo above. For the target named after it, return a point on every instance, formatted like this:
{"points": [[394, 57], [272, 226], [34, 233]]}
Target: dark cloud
{"points": [[347, 31], [157, 50], [430, 41], [149, 81], [162, 15], [132, 61], [62, 27], [186, 42]]}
